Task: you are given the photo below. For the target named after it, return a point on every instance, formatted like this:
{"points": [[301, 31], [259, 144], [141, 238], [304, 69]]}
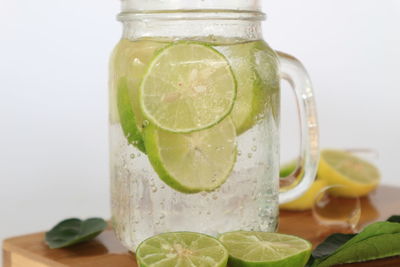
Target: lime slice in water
{"points": [[181, 249], [254, 66], [250, 249], [188, 87], [127, 117], [249, 101], [194, 162]]}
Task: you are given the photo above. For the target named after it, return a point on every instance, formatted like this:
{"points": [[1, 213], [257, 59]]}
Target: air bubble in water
{"points": [[254, 148], [132, 156], [250, 155]]}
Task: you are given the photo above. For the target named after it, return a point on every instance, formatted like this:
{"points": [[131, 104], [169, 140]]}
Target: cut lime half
{"points": [[251, 249], [181, 249], [187, 87], [194, 162]]}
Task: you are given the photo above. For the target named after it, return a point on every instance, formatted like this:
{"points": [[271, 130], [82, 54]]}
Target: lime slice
{"points": [[137, 59], [194, 162], [249, 249], [129, 62], [127, 117], [188, 87], [250, 99], [255, 68], [357, 176], [181, 249]]}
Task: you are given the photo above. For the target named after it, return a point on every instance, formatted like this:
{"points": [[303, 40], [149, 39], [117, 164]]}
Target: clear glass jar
{"points": [[194, 120]]}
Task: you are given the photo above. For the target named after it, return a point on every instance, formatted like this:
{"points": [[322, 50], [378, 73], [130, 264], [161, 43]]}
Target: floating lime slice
{"points": [[188, 87], [250, 99], [127, 117], [251, 249], [194, 162], [181, 249], [254, 66], [128, 64]]}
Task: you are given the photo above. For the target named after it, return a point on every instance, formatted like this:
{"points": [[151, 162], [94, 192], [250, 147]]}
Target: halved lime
{"points": [[127, 117], [181, 249], [188, 87], [194, 162], [251, 249]]}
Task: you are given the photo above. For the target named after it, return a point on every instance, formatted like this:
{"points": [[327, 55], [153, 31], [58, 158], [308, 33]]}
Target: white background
{"points": [[53, 95]]}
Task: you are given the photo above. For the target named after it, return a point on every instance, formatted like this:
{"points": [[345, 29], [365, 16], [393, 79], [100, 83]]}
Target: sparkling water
{"points": [[143, 205]]}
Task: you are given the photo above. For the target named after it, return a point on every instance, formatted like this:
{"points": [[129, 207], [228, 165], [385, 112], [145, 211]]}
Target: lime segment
{"points": [[188, 87], [250, 249], [181, 249], [195, 162]]}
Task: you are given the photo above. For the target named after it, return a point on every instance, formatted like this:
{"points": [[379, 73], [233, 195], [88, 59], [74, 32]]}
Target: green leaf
{"points": [[330, 245], [363, 246], [394, 218], [73, 231], [376, 247]]}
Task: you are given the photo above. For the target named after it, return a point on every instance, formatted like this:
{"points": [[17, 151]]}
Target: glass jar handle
{"points": [[301, 179]]}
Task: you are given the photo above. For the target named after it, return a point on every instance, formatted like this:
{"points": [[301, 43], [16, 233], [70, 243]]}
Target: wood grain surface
{"points": [[106, 251]]}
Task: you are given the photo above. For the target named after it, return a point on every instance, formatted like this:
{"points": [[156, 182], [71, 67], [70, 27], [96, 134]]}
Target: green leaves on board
{"points": [[73, 231], [376, 241]]}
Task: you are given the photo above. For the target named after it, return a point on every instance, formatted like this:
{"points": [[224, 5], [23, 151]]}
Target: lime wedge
{"points": [[250, 249], [127, 117], [188, 87], [181, 249], [194, 162], [357, 176]]}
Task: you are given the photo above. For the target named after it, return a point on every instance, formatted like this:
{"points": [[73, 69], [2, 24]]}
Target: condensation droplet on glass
{"points": [[132, 156], [250, 155], [239, 153], [254, 148]]}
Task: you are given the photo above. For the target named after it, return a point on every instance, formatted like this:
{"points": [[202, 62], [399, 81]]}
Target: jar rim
{"points": [[192, 14]]}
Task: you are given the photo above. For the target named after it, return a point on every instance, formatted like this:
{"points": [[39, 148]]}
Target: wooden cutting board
{"points": [[106, 251]]}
